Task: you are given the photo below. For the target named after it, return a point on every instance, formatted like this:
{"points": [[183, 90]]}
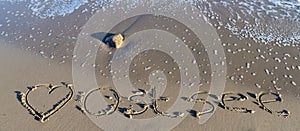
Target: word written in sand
{"points": [[153, 104]]}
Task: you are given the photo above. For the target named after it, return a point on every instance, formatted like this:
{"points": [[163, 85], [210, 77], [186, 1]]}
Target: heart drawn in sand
{"points": [[44, 116]]}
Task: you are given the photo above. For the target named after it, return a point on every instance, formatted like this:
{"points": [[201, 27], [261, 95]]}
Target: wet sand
{"points": [[22, 69]]}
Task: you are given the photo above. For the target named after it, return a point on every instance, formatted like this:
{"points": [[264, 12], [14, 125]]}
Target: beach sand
{"points": [[252, 67], [21, 69]]}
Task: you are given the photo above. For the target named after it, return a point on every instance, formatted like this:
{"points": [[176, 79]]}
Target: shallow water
{"points": [[267, 21]]}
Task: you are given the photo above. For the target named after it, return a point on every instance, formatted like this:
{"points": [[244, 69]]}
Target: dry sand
{"points": [[22, 69]]}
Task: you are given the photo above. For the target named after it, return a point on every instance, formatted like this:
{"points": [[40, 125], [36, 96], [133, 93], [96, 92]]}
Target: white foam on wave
{"points": [[262, 20], [270, 21], [13, 1], [50, 8]]}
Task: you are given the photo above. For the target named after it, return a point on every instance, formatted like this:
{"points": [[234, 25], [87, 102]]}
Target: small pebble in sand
{"points": [[277, 59], [241, 76], [293, 83], [118, 40], [232, 78], [248, 65], [293, 67], [257, 85], [287, 55], [147, 68], [258, 50], [267, 71], [277, 88], [216, 52], [229, 50], [296, 58], [287, 68], [115, 40]]}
